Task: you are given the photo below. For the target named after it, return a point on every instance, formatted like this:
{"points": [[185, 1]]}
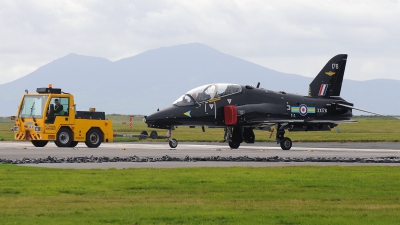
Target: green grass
{"points": [[368, 129], [270, 195], [5, 129]]}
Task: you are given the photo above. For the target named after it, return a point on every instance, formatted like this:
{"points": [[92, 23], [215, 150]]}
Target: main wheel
{"points": [[73, 144], [93, 138], [286, 144], [64, 138], [173, 143], [39, 143], [234, 145]]}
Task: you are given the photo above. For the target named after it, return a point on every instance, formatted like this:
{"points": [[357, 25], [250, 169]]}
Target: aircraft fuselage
{"points": [[254, 106]]}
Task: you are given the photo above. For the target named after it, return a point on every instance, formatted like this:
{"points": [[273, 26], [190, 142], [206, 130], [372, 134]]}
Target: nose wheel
{"points": [[173, 143]]}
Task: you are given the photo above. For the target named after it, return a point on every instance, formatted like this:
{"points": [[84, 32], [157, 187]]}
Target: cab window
{"points": [[62, 108], [32, 106]]}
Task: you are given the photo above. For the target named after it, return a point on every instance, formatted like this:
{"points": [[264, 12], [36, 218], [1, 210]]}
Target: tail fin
{"points": [[329, 81]]}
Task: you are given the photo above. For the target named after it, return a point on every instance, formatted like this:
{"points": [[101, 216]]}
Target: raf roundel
{"points": [[303, 110]]}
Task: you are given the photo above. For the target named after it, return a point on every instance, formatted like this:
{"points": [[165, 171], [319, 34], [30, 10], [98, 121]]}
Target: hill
{"points": [[154, 79]]}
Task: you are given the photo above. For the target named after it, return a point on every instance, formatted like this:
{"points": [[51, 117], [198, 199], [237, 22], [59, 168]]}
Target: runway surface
{"points": [[20, 150]]}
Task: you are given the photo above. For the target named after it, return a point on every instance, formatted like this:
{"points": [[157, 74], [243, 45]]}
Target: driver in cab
{"points": [[58, 108]]}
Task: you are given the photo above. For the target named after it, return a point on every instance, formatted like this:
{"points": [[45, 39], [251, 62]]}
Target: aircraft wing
{"points": [[331, 121], [271, 122]]}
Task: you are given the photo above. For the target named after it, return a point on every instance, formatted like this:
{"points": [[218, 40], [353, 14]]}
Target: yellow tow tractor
{"points": [[50, 115]]}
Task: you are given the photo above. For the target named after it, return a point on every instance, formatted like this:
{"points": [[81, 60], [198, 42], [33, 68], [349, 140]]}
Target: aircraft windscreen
{"points": [[227, 89], [206, 93], [184, 100]]}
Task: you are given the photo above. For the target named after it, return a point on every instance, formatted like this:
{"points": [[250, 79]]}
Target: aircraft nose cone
{"points": [[158, 120], [148, 119], [152, 119]]}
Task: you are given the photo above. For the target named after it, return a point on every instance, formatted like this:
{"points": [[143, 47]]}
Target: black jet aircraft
{"points": [[240, 109]]}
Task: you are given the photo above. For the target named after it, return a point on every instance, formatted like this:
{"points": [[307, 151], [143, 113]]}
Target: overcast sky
{"points": [[288, 36]]}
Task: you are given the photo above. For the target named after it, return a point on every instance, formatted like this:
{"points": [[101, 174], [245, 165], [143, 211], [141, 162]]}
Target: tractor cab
{"points": [[45, 105]]}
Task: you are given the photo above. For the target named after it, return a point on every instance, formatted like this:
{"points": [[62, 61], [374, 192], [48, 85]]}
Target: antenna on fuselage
{"points": [[258, 85]]}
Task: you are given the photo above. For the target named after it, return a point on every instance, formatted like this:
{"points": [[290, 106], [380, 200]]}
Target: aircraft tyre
{"points": [[234, 145], [286, 144], [93, 138], [39, 143], [64, 138], [73, 144], [173, 143]]}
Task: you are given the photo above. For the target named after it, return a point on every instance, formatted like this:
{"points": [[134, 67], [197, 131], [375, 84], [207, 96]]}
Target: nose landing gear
{"points": [[173, 143]]}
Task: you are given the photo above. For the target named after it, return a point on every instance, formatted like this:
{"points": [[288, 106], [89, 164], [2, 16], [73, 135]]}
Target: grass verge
{"points": [[270, 195], [368, 129]]}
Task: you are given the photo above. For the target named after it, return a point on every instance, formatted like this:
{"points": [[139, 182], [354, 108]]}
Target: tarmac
{"points": [[201, 154]]}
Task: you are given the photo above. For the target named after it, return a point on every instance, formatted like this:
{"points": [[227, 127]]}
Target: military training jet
{"points": [[240, 109]]}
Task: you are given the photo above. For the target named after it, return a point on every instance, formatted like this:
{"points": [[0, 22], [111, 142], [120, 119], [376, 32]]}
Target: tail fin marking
{"points": [[329, 80]]}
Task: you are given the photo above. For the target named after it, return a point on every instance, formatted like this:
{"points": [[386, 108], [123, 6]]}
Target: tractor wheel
{"points": [[93, 138], [39, 143], [73, 144], [64, 138]]}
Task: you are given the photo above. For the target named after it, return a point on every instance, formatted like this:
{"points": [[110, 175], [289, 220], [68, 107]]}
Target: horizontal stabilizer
{"points": [[362, 110]]}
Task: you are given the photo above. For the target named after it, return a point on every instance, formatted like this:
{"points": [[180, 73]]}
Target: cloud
{"points": [[288, 36]]}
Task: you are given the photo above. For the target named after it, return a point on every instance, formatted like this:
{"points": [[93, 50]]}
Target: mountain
{"points": [[154, 79]]}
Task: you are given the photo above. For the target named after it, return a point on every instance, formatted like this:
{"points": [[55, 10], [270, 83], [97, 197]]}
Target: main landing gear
{"points": [[233, 138], [285, 142], [236, 135]]}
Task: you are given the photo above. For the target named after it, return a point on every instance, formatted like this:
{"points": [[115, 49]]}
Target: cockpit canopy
{"points": [[206, 93]]}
